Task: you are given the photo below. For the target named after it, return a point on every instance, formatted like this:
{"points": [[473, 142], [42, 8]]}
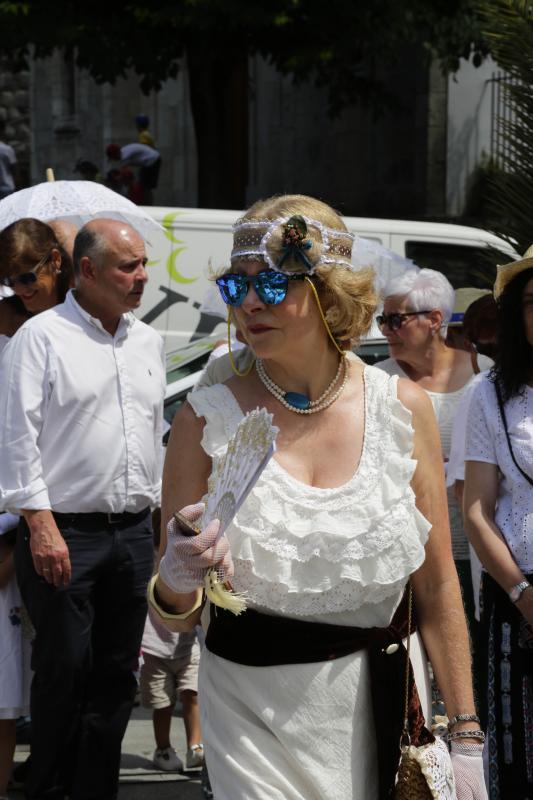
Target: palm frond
{"points": [[508, 27]]}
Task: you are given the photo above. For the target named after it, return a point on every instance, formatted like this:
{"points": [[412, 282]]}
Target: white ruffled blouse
{"points": [[340, 555]]}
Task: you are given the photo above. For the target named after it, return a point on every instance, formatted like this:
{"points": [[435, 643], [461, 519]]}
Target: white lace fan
{"points": [[234, 475]]}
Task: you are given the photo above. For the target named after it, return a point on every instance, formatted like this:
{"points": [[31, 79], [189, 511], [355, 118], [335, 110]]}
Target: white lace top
{"points": [[324, 554], [486, 441]]}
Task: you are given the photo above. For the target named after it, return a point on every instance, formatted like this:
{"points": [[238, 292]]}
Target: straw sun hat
{"points": [[506, 272]]}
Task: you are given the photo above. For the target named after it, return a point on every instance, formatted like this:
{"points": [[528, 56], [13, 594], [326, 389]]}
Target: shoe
{"points": [[195, 756], [167, 760], [19, 775]]}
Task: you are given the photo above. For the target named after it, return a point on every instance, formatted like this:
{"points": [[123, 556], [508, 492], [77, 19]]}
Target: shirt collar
{"points": [[126, 320]]}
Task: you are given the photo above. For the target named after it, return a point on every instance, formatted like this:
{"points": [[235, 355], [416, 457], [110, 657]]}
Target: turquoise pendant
{"points": [[297, 400]]}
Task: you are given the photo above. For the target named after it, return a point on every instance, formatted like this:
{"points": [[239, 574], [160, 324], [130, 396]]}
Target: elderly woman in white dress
{"points": [[498, 504], [302, 694], [416, 311]]}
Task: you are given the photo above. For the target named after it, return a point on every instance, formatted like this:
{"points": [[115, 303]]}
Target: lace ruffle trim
{"points": [[302, 550]]}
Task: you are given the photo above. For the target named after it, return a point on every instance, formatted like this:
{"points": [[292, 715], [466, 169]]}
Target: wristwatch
{"points": [[516, 592]]}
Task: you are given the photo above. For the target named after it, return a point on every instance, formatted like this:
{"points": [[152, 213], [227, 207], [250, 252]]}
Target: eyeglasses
{"points": [[25, 278], [270, 286], [395, 321]]}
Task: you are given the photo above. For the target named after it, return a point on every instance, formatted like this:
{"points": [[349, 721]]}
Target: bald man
{"points": [[65, 232], [80, 436]]}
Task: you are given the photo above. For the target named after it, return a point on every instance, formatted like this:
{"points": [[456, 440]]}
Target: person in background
{"points": [[417, 309], [8, 165], [479, 333], [455, 334], [170, 671], [132, 187], [81, 411], [113, 180], [23, 245], [142, 123], [88, 170], [66, 233], [498, 508], [38, 270], [147, 159], [480, 325], [15, 651]]}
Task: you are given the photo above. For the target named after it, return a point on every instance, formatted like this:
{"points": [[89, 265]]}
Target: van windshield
{"points": [[463, 265]]}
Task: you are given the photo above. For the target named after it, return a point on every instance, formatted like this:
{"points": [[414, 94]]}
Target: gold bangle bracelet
{"points": [[165, 614]]}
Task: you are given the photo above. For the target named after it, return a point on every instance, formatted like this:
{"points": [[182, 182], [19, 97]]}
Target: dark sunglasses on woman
{"points": [[395, 321], [25, 278], [270, 286]]}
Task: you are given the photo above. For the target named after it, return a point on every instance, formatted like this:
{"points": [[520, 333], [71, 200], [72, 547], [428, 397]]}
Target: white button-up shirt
{"points": [[81, 414]]}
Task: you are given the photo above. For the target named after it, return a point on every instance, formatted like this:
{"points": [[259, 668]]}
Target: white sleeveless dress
{"points": [[339, 556]]}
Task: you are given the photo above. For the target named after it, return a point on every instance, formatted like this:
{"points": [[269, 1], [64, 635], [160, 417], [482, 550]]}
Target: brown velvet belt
{"points": [[260, 640]]}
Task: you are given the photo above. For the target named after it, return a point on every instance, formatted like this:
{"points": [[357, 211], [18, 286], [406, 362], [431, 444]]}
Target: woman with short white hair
{"points": [[416, 310]]}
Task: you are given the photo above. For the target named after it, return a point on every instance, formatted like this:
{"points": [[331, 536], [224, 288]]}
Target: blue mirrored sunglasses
{"points": [[270, 286]]}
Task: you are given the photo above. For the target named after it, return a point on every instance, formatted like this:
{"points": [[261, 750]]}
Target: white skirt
{"points": [[15, 654], [293, 732]]}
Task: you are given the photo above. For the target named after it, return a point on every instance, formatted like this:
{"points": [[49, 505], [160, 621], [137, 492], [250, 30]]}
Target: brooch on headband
{"points": [[294, 241]]}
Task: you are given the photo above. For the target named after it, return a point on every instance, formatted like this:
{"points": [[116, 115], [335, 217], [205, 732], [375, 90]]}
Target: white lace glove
{"points": [[187, 559], [467, 763]]}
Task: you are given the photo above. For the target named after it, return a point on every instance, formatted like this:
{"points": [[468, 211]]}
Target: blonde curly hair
{"points": [[348, 297]]}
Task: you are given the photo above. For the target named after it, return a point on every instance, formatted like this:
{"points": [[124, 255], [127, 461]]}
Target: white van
{"points": [[195, 240]]}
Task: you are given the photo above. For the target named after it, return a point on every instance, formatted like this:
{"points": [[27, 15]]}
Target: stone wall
{"points": [[73, 117], [15, 112], [365, 162]]}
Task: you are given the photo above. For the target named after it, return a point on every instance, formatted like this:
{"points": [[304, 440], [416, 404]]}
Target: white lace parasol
{"points": [[77, 201], [386, 263]]}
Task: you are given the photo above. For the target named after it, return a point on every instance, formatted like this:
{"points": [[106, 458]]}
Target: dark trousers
{"points": [[88, 636]]}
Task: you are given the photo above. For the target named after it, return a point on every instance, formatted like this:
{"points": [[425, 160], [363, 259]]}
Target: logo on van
{"points": [[172, 270]]}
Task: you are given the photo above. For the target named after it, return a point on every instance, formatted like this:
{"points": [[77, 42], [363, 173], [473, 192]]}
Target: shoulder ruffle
{"points": [[222, 414]]}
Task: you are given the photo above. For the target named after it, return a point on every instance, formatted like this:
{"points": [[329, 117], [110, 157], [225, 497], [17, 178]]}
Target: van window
{"points": [[463, 265]]}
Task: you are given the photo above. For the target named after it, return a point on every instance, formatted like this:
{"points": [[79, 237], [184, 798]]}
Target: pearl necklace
{"points": [[312, 406]]}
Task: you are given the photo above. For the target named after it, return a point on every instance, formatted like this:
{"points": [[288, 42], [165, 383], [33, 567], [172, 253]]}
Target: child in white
{"points": [[170, 670]]}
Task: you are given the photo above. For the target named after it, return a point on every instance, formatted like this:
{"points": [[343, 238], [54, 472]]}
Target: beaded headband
{"points": [[279, 241]]}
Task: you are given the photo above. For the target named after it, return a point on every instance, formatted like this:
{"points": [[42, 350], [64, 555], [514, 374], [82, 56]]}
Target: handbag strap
{"points": [[405, 732], [504, 420]]}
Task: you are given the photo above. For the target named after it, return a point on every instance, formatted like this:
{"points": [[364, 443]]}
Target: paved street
{"points": [[138, 781]]}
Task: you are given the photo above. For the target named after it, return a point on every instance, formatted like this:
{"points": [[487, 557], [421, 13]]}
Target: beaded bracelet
{"points": [[473, 734], [462, 718]]}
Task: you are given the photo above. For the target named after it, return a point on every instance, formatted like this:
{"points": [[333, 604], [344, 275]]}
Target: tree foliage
{"points": [[508, 28], [331, 43], [344, 46]]}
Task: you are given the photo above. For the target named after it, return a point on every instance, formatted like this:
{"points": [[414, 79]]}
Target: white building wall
{"points": [[469, 127]]}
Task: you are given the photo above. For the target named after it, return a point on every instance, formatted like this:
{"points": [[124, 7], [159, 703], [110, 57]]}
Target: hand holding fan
{"points": [[232, 478]]}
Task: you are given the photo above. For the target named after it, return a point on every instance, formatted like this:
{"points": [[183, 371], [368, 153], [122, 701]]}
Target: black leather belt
{"points": [[101, 519]]}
